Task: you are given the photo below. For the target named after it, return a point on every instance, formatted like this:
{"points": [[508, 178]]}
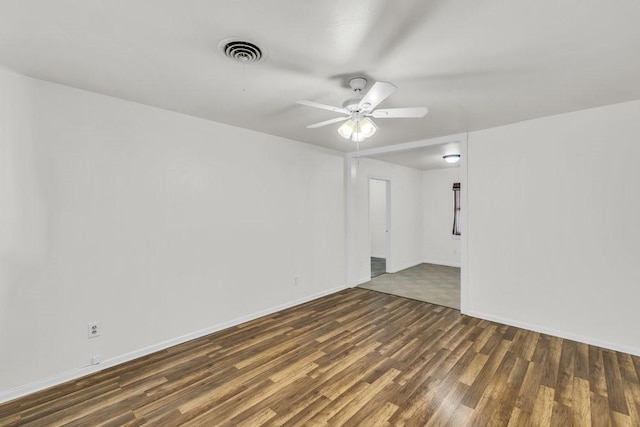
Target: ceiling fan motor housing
{"points": [[351, 104], [358, 83]]}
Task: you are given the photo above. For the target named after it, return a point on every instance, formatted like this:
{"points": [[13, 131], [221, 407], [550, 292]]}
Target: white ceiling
{"points": [[424, 158], [474, 64]]}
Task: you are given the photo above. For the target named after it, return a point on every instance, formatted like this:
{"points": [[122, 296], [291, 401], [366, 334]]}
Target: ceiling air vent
{"points": [[241, 51]]}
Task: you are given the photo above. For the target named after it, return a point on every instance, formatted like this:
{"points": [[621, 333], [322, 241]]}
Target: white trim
{"points": [[389, 271], [362, 280], [389, 236], [387, 192], [351, 182], [379, 177], [408, 146], [464, 228], [445, 263], [76, 373], [403, 267], [556, 333]]}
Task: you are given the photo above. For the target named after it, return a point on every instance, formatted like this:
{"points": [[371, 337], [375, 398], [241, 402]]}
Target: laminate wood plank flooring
{"points": [[357, 357]]}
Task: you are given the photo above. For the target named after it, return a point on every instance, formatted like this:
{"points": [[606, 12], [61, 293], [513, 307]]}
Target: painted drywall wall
{"points": [[439, 246], [378, 217], [153, 223], [553, 235], [405, 215]]}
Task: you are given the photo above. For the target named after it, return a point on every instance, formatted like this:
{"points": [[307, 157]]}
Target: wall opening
{"points": [[378, 226]]}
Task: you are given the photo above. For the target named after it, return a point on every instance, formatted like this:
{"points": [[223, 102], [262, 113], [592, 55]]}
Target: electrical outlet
{"points": [[94, 330], [296, 281]]}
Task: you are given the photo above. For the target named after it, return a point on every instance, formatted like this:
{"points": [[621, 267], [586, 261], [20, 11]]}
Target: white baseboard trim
{"points": [[362, 280], [448, 264], [76, 373], [395, 269], [557, 333]]}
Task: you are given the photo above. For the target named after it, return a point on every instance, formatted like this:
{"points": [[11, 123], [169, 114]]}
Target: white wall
{"points": [[439, 246], [554, 240], [405, 215], [157, 225], [378, 217]]}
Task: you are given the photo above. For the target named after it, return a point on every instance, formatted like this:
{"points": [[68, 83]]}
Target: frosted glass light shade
{"points": [[451, 158], [367, 127], [357, 131], [357, 137], [346, 129]]}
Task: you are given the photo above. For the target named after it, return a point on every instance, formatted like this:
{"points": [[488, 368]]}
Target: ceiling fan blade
{"points": [[397, 113], [378, 93], [328, 122], [324, 107]]}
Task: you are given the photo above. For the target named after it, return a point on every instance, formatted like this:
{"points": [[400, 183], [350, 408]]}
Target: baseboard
{"points": [[362, 280], [395, 269], [448, 264], [557, 333], [76, 373]]}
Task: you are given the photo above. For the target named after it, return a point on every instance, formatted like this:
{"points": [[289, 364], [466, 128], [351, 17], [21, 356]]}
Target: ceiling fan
{"points": [[360, 109]]}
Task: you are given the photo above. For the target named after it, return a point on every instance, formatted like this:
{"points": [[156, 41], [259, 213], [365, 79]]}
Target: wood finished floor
{"points": [[357, 357]]}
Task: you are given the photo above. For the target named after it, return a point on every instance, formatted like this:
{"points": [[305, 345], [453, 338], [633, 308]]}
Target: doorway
{"points": [[378, 226], [430, 250]]}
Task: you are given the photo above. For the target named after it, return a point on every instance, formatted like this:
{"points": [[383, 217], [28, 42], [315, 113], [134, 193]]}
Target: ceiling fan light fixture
{"points": [[357, 137], [366, 127], [346, 130], [451, 158], [357, 130]]}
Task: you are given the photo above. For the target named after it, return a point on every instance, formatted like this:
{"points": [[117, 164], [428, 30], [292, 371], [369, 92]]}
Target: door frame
{"points": [[387, 218]]}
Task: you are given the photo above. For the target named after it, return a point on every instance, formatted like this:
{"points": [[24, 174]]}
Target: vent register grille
{"points": [[241, 51]]}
